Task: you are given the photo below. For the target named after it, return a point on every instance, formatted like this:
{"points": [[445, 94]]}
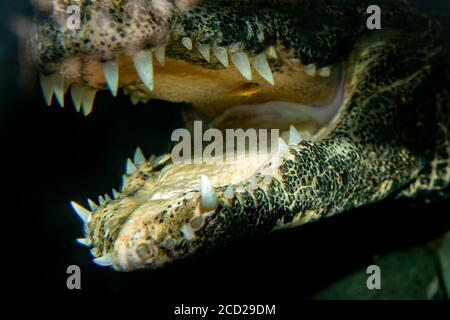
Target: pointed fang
{"points": [[241, 62], [58, 88], [222, 55], [88, 100], [139, 157], [83, 213], [262, 66], [47, 88], [131, 168], [84, 242], [205, 51], [143, 62], [208, 199], [283, 149], [104, 261], [187, 42], [77, 96], [111, 73], [160, 54], [294, 136]]}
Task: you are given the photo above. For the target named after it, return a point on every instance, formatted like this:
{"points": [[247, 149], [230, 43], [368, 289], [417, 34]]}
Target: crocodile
{"points": [[365, 113]]}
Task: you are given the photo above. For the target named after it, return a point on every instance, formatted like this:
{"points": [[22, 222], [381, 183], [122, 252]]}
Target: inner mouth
{"points": [[228, 87]]}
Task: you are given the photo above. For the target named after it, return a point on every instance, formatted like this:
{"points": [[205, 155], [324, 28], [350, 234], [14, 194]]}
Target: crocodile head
{"points": [[370, 124]]}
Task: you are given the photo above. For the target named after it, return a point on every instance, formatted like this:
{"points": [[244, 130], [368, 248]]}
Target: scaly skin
{"points": [[390, 138]]}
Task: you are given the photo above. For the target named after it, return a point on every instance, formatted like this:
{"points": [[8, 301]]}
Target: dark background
{"points": [[55, 155]]}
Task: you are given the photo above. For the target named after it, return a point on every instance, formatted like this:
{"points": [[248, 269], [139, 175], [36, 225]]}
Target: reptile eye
{"points": [[197, 223]]}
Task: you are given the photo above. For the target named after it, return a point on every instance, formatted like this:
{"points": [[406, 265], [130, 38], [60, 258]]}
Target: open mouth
{"points": [[228, 87], [166, 211]]}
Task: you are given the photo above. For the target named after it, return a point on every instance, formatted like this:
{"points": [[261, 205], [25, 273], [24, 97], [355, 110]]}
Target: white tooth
{"points": [[101, 200], [160, 54], [111, 73], [325, 72], [311, 70], [83, 213], [115, 193], [88, 100], [77, 96], [92, 204], [283, 149], [208, 199], [205, 51], [107, 197], [221, 54], [272, 53], [58, 88], [187, 42], [294, 136], [241, 62], [104, 261], [139, 157], [131, 168], [84, 242], [143, 61], [229, 192], [47, 88], [262, 66], [134, 99]]}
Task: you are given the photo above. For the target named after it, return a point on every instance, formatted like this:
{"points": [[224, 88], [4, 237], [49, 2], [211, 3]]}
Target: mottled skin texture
{"points": [[390, 139]]}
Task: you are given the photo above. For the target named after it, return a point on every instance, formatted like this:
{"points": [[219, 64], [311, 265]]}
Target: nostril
{"points": [[144, 251]]}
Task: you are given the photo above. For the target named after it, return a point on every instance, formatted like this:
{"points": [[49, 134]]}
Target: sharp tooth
{"points": [[262, 66], [272, 53], [84, 242], [88, 100], [187, 42], [47, 88], [101, 200], [205, 51], [283, 149], [294, 136], [139, 157], [104, 261], [107, 197], [111, 73], [92, 205], [131, 168], [58, 88], [325, 72], [311, 70], [83, 213], [160, 54], [208, 199], [241, 62], [229, 192], [134, 99], [115, 193], [143, 61], [77, 96], [222, 55]]}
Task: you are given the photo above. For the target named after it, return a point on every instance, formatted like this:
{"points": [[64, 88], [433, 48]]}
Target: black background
{"points": [[55, 155]]}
